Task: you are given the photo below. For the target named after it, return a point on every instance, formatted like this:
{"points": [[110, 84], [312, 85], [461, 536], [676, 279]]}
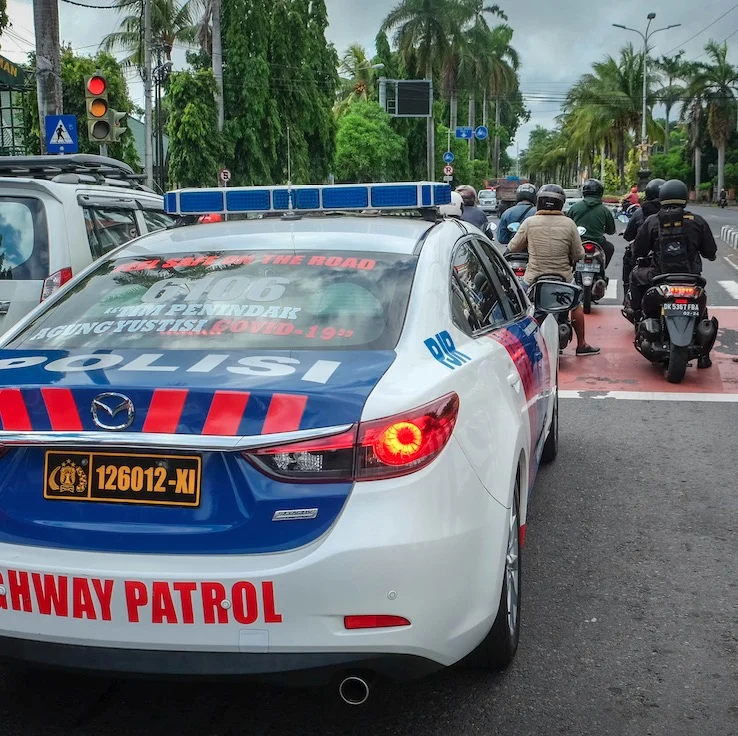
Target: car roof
{"points": [[391, 234]]}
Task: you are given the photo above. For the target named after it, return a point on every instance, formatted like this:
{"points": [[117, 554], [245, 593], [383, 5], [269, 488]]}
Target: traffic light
{"points": [[103, 123], [96, 100]]}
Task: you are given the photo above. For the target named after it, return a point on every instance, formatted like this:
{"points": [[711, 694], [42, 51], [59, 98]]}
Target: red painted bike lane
{"points": [[622, 370]]}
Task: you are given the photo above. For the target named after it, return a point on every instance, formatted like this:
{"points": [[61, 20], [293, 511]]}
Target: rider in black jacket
{"points": [[681, 228], [651, 206]]}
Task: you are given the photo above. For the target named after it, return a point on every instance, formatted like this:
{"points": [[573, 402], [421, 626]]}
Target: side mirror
{"points": [[554, 297], [624, 219], [492, 225], [513, 227], [582, 231]]}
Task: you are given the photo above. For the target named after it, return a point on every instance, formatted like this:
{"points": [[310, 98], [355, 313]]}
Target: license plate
{"points": [[691, 309], [155, 480], [589, 267]]}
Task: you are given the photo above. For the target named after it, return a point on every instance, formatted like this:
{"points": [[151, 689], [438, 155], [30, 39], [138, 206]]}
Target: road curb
{"points": [[730, 236]]}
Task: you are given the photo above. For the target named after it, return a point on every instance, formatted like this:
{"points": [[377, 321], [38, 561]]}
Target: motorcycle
{"points": [[723, 202], [589, 273], [519, 262], [671, 331]]}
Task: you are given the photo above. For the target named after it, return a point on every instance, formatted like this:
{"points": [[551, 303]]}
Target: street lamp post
{"points": [[644, 173]]}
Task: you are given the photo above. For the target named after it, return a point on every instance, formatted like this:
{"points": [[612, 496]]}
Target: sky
{"points": [[557, 42]]}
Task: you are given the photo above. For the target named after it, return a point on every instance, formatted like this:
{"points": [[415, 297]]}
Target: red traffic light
{"points": [[96, 85]]}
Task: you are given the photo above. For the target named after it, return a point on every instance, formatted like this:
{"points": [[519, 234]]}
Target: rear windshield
{"points": [[225, 300], [24, 251]]}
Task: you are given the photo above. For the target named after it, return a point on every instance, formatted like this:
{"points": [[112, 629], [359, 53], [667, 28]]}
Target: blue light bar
{"points": [[307, 198]]}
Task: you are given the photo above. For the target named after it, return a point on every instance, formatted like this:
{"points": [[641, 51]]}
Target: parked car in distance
{"points": [[488, 200], [572, 197]]}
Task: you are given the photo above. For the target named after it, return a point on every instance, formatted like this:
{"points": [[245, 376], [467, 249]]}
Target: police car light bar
{"points": [[307, 198]]}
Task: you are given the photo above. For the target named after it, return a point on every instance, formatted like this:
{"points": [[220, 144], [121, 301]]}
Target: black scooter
{"points": [[672, 330]]}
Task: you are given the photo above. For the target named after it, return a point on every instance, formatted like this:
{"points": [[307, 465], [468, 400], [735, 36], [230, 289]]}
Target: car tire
{"points": [[497, 649], [551, 446]]}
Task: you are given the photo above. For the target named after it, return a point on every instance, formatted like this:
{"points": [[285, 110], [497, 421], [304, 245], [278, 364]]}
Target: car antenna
{"points": [[290, 214]]}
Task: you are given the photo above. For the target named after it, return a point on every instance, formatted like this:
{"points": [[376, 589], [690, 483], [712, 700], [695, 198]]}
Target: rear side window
{"points": [[24, 245], [235, 300], [156, 220], [108, 227]]}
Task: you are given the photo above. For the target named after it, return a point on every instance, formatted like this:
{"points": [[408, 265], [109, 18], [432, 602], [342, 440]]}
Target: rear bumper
{"points": [[306, 668]]}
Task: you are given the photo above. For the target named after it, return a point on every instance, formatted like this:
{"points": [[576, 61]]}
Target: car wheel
{"points": [[551, 447], [498, 648]]}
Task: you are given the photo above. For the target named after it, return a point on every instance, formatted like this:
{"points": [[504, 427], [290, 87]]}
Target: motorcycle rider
{"points": [[651, 206], [676, 240], [553, 245], [630, 199], [525, 207], [455, 208], [471, 214], [595, 217], [723, 198]]}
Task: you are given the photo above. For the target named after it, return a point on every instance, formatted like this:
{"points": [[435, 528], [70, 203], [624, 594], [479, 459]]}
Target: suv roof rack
{"points": [[51, 167]]}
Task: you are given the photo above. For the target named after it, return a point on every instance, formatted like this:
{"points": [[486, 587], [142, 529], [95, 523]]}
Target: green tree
{"points": [[194, 144], [358, 78], [367, 148], [4, 17], [673, 70], [74, 69], [715, 83], [171, 24]]}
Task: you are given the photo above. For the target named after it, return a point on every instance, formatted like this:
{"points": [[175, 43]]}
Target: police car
{"points": [[297, 443]]}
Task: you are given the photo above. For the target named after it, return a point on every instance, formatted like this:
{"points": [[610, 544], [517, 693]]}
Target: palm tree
{"points": [[673, 69], [716, 83], [424, 30], [171, 25], [357, 77]]}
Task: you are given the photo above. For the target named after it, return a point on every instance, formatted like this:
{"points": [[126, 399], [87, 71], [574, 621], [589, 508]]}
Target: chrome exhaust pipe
{"points": [[354, 690]]}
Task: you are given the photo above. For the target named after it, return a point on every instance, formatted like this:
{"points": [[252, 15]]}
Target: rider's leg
{"points": [[609, 249], [577, 322]]}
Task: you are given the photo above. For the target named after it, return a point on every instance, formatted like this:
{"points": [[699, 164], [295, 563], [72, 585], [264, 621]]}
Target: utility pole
{"points": [[148, 113], [48, 62], [215, 6], [644, 173]]}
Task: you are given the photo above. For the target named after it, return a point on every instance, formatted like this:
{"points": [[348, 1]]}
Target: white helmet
{"points": [[455, 208]]}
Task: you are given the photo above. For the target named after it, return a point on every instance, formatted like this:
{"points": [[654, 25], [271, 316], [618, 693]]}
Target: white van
{"points": [[60, 213]]}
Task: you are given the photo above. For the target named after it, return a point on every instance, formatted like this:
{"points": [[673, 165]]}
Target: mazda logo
{"points": [[112, 411]]}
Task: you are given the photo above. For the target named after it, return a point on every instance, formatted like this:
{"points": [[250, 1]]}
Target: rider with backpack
{"points": [[524, 208], [676, 241]]}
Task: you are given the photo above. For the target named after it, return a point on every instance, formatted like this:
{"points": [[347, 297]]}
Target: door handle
{"points": [[514, 380]]}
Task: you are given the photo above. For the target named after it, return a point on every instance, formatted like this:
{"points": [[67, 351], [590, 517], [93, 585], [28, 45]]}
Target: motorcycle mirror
{"points": [[554, 297], [582, 230], [492, 226], [513, 227], [623, 219]]}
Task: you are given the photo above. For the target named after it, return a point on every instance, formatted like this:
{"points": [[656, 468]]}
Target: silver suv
{"points": [[60, 213]]}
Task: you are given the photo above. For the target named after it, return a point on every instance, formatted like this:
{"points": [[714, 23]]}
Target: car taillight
{"points": [[383, 448], [55, 282], [374, 622]]}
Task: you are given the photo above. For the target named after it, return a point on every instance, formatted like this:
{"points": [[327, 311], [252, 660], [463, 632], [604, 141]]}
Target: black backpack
{"points": [[673, 246]]}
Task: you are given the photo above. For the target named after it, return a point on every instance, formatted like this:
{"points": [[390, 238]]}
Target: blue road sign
{"points": [[481, 133], [448, 157], [61, 134], [465, 133]]}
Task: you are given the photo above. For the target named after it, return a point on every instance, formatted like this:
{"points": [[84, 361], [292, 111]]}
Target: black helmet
{"points": [[551, 197], [593, 188], [674, 193], [653, 188], [526, 193]]}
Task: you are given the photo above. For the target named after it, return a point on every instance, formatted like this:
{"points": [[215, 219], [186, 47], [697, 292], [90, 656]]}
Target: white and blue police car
{"points": [[299, 443]]}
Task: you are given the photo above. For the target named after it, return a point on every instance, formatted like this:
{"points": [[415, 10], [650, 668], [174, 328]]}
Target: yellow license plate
{"points": [[156, 480]]}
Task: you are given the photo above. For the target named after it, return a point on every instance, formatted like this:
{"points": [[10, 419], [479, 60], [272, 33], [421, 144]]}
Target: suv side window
{"points": [[157, 220], [510, 286], [473, 292], [108, 227]]}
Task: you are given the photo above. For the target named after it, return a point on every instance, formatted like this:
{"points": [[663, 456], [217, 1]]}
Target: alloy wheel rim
{"points": [[512, 572]]}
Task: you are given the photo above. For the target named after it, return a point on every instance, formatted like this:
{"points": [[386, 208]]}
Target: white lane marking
{"points": [[731, 287], [650, 396], [612, 289], [730, 263]]}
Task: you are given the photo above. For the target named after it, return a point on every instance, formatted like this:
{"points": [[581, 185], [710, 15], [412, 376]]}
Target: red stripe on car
{"points": [[13, 412], [62, 410], [226, 412], [165, 410], [284, 413]]}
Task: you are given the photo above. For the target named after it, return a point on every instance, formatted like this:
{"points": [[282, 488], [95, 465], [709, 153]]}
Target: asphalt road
{"points": [[630, 613]]}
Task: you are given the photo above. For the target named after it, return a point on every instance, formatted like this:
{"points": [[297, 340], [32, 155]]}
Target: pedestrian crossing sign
{"points": [[61, 134]]}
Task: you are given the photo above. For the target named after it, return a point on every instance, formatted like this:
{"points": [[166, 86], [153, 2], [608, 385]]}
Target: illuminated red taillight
{"points": [[55, 282], [519, 271], [383, 448], [589, 248], [374, 622]]}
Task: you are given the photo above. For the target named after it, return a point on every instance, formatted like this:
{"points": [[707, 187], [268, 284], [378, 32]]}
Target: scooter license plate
{"points": [[691, 309], [588, 267]]}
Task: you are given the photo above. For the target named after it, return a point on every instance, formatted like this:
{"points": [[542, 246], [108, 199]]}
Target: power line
{"points": [[93, 7], [691, 38], [727, 38]]}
